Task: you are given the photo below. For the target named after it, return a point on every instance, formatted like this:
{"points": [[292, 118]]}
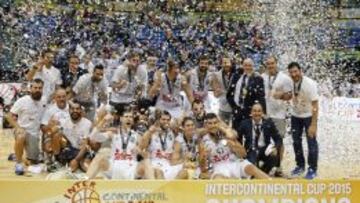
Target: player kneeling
{"points": [[159, 141], [222, 156], [121, 161]]}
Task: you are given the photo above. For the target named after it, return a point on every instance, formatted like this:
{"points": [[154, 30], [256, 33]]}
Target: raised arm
{"points": [[155, 89], [187, 89], [145, 140], [35, 68], [230, 136]]}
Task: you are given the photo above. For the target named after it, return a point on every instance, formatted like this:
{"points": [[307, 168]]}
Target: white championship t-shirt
{"points": [[224, 85], [126, 94], [200, 87], [276, 108], [76, 132], [86, 90], [29, 114], [307, 93]]}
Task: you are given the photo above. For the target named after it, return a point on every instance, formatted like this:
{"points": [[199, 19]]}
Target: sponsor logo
{"points": [[82, 191]]}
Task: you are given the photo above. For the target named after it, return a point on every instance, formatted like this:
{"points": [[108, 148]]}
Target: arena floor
{"points": [[327, 169]]}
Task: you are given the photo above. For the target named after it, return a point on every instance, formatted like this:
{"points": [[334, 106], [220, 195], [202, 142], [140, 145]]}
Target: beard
{"points": [[164, 127], [36, 96], [61, 104], [95, 79], [75, 116], [203, 68]]}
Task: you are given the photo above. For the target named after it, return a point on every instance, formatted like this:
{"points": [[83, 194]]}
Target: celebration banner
{"points": [[231, 191]]}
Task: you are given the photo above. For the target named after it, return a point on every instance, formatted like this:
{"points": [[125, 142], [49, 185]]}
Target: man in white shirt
{"points": [[45, 71], [119, 162], [151, 68], [226, 156], [220, 83], [73, 138], [90, 89], [29, 110], [87, 63], [277, 91], [54, 115], [200, 81], [159, 141], [167, 87], [128, 83], [304, 115]]}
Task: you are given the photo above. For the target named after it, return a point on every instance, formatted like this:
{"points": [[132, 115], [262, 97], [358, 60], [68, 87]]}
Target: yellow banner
{"points": [[231, 191]]}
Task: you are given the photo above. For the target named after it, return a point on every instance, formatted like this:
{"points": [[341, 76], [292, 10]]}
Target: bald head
{"points": [[257, 112], [60, 98]]}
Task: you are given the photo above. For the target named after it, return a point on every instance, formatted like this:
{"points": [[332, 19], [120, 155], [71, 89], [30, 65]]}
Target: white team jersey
{"points": [[124, 146], [162, 148], [87, 91], [126, 94], [218, 152], [169, 96], [200, 88], [185, 147], [224, 85]]}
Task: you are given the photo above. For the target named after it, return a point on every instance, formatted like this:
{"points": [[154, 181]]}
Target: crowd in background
{"points": [[107, 34], [101, 82]]}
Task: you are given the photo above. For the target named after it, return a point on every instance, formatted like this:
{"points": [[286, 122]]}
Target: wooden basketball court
{"points": [[327, 169]]}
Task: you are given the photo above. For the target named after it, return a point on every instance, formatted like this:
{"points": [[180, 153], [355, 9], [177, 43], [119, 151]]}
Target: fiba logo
{"points": [[83, 192]]}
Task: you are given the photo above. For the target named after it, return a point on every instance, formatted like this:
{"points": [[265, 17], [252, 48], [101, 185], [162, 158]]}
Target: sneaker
{"points": [[50, 167], [298, 171], [19, 169], [272, 172], [279, 174], [12, 157], [311, 174], [53, 166]]}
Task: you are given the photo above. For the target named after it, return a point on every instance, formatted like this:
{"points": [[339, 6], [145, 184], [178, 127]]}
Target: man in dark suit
{"points": [[262, 139], [71, 74], [245, 90]]}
